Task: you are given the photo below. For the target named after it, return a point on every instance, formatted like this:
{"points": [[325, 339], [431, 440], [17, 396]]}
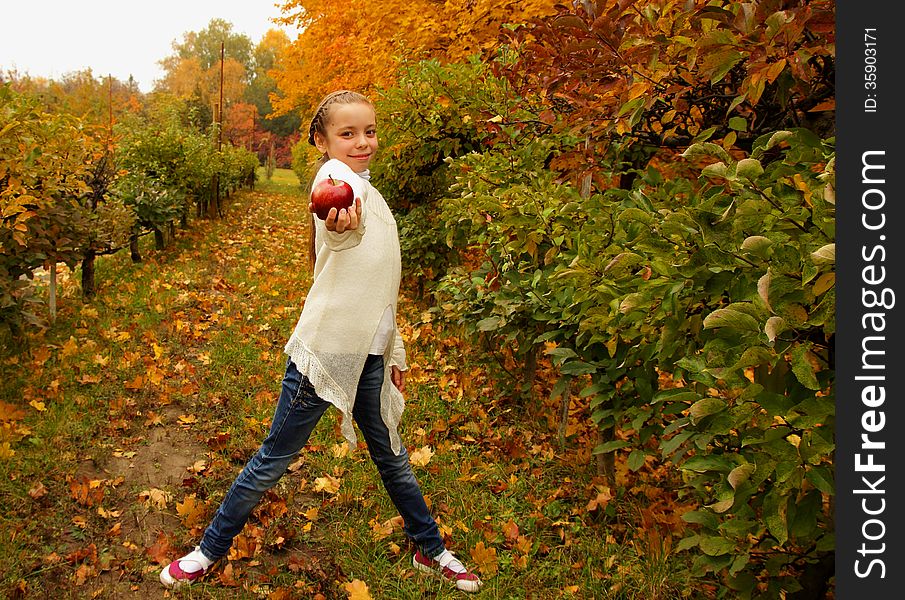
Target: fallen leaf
{"points": [[37, 490], [154, 497], [485, 558], [190, 510], [197, 467], [357, 590], [226, 576], [603, 498], [153, 419], [134, 384], [160, 550], [70, 347], [510, 530], [38, 405], [327, 484], [422, 456]]}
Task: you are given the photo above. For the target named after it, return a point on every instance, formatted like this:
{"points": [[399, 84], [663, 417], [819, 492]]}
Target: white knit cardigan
{"points": [[356, 277]]}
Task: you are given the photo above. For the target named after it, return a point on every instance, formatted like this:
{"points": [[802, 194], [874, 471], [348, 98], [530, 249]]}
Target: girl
{"points": [[346, 351]]}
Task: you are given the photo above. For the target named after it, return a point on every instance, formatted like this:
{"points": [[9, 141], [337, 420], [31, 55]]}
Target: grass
{"points": [[283, 181], [167, 380]]}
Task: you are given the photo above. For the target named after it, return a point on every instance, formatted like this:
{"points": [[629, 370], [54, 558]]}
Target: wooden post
{"points": [[219, 133], [52, 300]]}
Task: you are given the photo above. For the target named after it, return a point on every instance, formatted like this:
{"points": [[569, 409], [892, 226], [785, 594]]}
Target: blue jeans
{"points": [[298, 411]]}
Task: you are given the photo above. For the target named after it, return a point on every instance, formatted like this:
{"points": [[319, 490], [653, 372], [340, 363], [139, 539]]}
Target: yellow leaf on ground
{"points": [[70, 347], [154, 497], [190, 510], [38, 405], [327, 484], [357, 590], [421, 457]]}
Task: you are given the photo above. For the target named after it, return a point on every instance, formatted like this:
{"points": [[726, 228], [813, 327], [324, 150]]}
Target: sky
{"points": [[49, 38]]}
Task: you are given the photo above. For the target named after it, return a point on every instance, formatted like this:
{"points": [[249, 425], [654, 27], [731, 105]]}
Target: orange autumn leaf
{"points": [[510, 530], [601, 500], [485, 559], [134, 384], [190, 510], [160, 551], [227, 576]]}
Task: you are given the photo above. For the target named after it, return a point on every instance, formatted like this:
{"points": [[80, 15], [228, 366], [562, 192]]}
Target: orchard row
{"points": [[71, 190]]}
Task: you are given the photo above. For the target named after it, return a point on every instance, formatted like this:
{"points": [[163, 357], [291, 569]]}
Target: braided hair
{"points": [[319, 120]]}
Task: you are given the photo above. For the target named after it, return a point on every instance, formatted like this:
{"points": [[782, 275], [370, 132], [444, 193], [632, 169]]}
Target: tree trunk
{"points": [[133, 248], [529, 375], [88, 288], [171, 226], [606, 462], [159, 241]]}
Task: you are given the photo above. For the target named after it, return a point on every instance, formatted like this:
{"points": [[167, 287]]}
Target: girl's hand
{"points": [[342, 220], [397, 376]]}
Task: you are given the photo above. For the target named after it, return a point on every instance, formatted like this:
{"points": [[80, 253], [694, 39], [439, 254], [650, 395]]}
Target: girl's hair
{"points": [[318, 125]]}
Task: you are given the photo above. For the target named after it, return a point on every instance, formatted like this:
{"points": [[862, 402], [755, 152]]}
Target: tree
{"points": [[358, 45]]}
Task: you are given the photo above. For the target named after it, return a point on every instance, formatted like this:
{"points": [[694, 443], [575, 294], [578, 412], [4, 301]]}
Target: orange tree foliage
{"points": [[634, 76], [358, 45]]}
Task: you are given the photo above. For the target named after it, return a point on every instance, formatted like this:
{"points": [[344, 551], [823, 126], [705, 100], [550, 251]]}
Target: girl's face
{"points": [[351, 135]]}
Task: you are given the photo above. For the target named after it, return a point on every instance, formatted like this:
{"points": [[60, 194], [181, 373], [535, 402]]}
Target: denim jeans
{"points": [[298, 411]]}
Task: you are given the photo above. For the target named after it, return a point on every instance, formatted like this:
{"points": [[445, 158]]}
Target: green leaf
{"points": [[717, 169], [705, 463], [702, 517], [611, 446], [703, 136], [669, 446], [489, 324], [750, 168], [757, 244], [721, 506], [688, 542], [802, 367], [738, 124], [824, 254], [774, 514], [740, 474], [731, 318], [753, 357], [822, 478], [705, 407], [763, 288], [635, 460], [774, 326], [716, 546]]}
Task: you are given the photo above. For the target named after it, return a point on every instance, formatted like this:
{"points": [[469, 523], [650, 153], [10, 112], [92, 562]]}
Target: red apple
{"points": [[331, 193]]}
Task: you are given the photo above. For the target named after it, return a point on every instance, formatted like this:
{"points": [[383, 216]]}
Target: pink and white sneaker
{"points": [[449, 568], [187, 569]]}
